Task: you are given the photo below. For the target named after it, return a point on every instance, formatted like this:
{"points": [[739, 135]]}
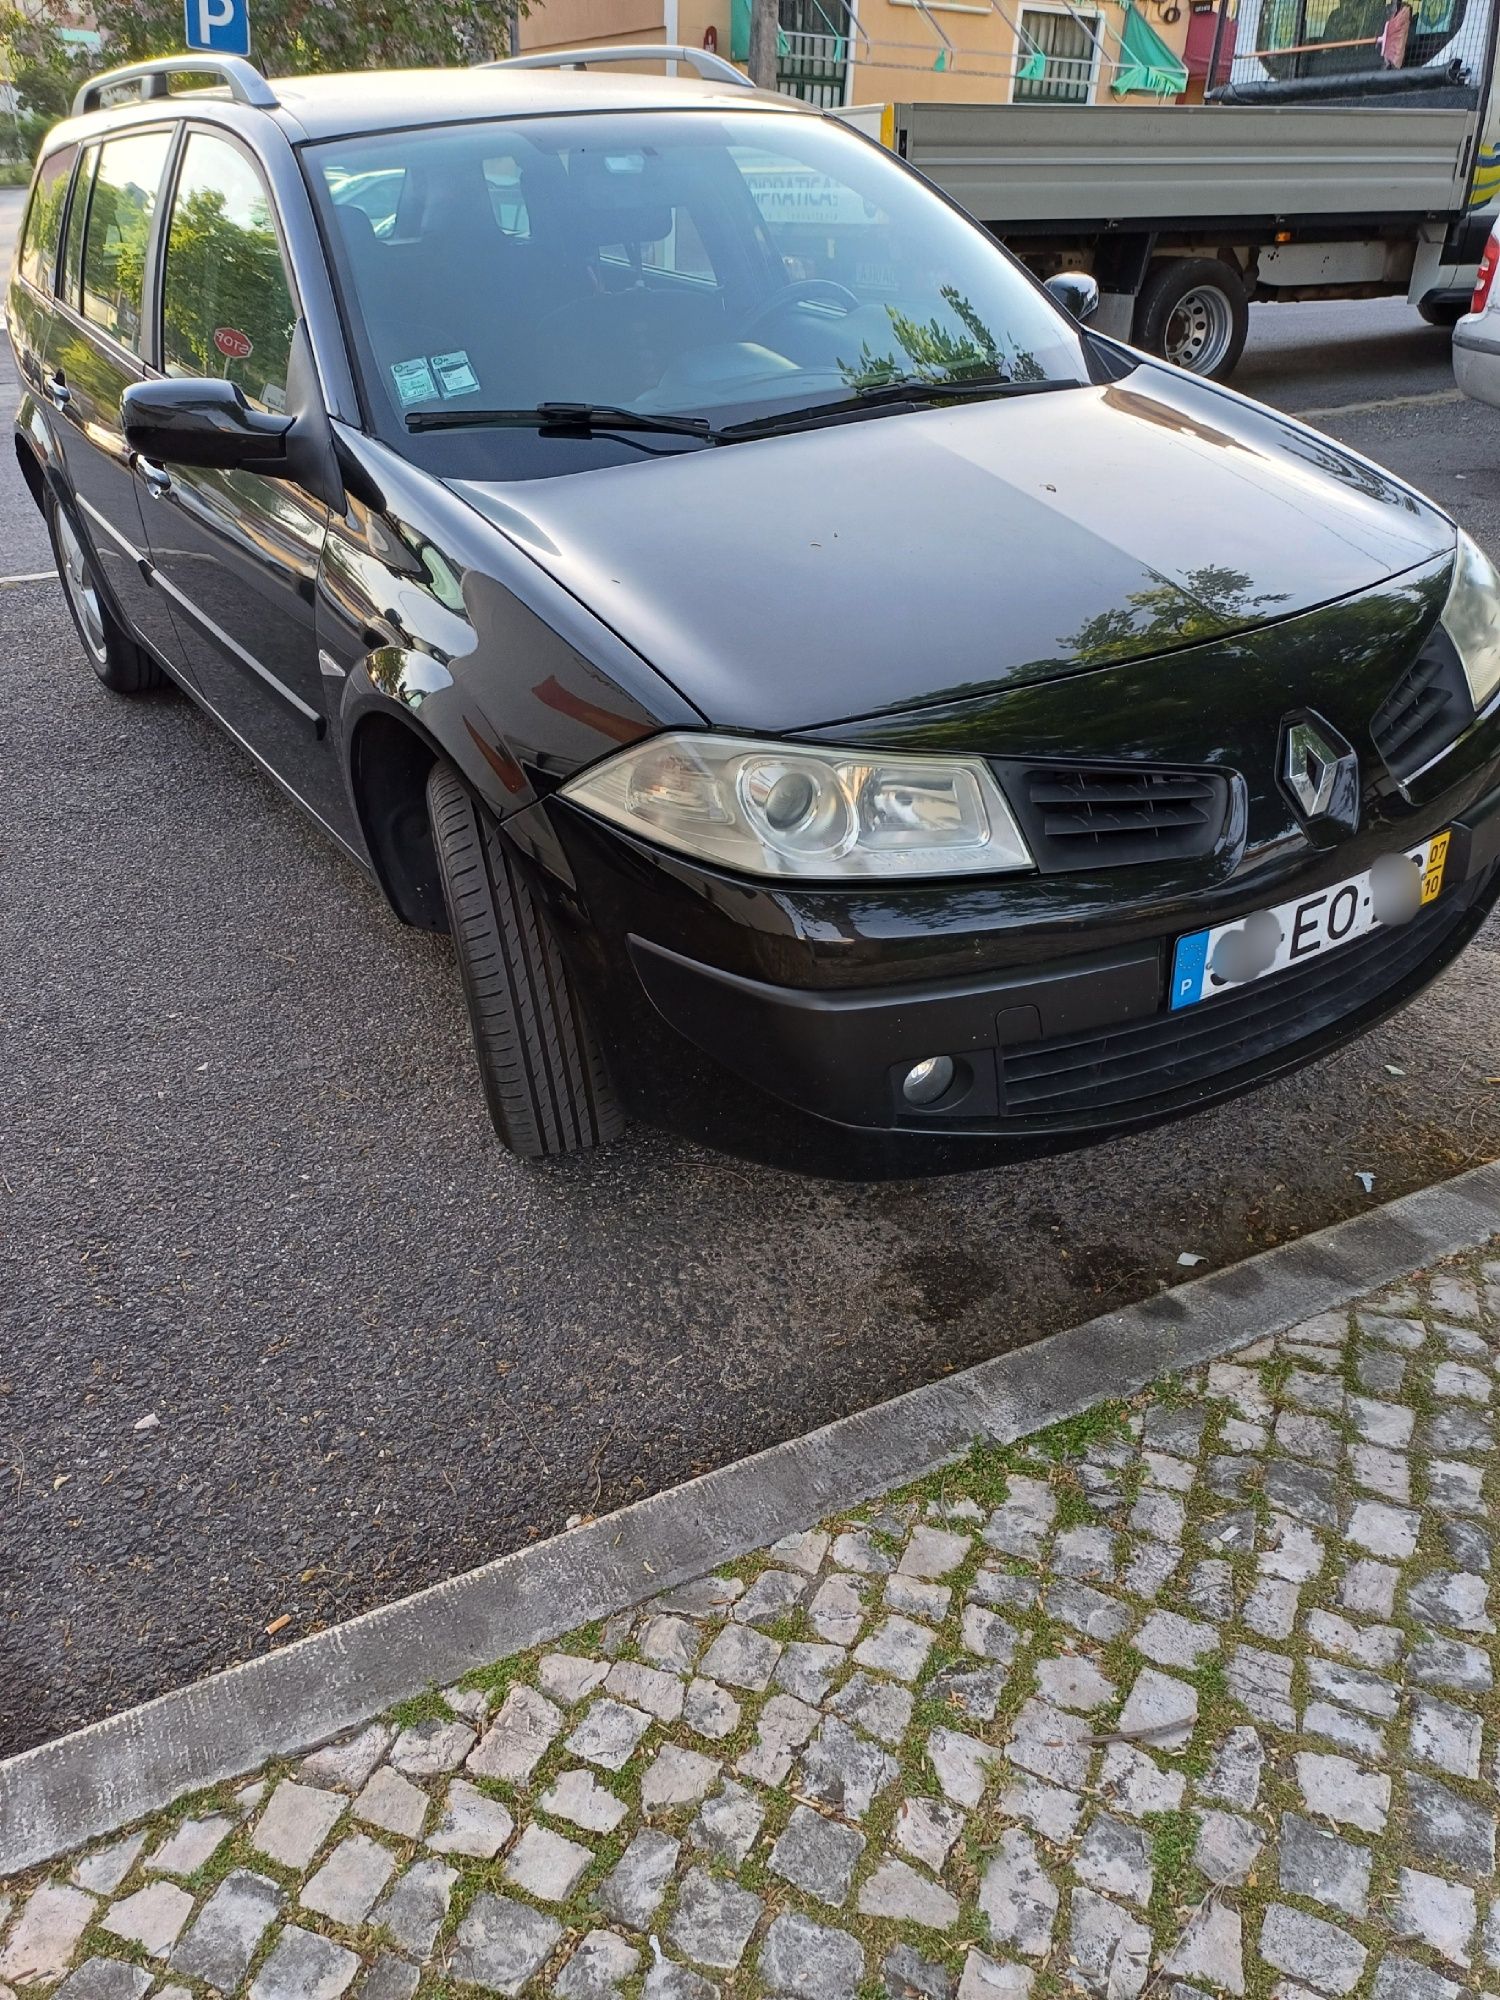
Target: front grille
{"points": [[1155, 1063], [1427, 709], [1078, 816]]}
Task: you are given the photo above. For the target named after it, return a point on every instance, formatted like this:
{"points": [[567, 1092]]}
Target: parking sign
{"points": [[220, 25]]}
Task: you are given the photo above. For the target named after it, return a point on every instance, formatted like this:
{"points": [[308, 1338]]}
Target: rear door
{"points": [[238, 553], [29, 302], [93, 354]]}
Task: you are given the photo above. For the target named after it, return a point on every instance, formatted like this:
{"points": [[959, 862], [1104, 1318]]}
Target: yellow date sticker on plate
{"points": [[1432, 874]]}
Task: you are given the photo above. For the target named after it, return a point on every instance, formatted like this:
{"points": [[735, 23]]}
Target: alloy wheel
{"points": [[78, 582]]}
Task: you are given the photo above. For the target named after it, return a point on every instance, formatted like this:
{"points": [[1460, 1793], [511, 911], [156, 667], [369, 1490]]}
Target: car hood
{"points": [[934, 555]]}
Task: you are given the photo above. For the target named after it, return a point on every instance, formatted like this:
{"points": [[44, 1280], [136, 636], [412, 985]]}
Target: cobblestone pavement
{"points": [[1193, 1695]]}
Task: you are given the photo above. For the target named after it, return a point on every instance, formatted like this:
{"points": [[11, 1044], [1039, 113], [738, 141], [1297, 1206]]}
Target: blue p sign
{"points": [[220, 25]]}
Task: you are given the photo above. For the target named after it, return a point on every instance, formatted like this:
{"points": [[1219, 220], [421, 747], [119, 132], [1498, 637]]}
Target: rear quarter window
{"points": [[42, 232]]}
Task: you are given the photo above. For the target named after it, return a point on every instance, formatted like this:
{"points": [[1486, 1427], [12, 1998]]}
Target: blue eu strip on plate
{"points": [[1189, 965]]}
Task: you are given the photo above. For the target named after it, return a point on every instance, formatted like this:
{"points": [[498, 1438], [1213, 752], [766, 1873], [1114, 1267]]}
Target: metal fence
{"points": [[813, 67], [1288, 41]]}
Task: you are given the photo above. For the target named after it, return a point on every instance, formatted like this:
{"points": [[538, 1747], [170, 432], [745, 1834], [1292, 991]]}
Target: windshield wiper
{"points": [[583, 419], [891, 396]]}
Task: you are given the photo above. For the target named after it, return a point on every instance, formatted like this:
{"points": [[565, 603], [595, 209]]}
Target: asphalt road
{"points": [[248, 1187]]}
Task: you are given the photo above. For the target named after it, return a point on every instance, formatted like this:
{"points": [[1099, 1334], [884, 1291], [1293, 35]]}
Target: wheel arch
{"points": [[390, 759], [31, 470], [36, 452]]}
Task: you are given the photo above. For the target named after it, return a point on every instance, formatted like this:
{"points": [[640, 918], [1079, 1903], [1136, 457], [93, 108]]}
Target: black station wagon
{"points": [[822, 686]]}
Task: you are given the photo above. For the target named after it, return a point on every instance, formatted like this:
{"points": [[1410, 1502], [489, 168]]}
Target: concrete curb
{"points": [[74, 1789]]}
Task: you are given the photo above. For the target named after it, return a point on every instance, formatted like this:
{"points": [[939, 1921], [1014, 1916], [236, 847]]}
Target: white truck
{"points": [[1324, 170]]}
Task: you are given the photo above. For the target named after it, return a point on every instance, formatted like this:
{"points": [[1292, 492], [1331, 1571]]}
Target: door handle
{"points": [[58, 389], [157, 478]]}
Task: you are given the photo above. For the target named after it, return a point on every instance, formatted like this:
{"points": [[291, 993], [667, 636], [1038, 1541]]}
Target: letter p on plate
{"points": [[220, 25]]}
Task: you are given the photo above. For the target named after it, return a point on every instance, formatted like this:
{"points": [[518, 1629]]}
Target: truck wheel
{"points": [[119, 662], [1193, 312], [539, 1061]]}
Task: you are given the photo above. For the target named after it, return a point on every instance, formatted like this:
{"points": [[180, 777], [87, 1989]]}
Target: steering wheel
{"points": [[800, 288]]}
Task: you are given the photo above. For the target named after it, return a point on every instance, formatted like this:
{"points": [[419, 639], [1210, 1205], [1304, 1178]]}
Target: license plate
{"points": [[1207, 963]]}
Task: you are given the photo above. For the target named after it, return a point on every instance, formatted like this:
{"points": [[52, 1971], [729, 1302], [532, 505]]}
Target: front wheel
{"points": [[539, 1060], [123, 666], [1195, 313]]}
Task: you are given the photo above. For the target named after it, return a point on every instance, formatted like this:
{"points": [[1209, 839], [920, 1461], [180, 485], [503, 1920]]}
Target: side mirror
{"points": [[191, 421], [1077, 293]]}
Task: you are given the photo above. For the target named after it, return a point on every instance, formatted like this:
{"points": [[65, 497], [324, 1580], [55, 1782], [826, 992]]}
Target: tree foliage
{"points": [[291, 37], [43, 70], [931, 352], [288, 37]]}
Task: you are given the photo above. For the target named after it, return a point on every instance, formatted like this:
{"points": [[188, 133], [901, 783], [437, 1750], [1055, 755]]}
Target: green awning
{"points": [[739, 33], [1146, 63]]}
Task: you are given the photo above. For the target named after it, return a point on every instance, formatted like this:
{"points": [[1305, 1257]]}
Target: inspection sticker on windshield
{"points": [[455, 376], [1216, 961], [413, 380]]}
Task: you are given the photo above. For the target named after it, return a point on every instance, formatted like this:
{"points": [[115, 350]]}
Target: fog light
{"points": [[926, 1081]]}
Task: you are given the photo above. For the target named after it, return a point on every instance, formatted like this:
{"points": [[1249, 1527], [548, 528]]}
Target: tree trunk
{"points": [[764, 23]]}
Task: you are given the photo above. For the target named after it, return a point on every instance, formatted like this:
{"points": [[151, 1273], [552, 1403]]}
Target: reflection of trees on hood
{"points": [[1209, 601], [1364, 479], [931, 352], [220, 274]]}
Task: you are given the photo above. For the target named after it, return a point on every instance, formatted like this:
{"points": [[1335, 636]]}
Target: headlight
{"points": [[1471, 618], [777, 809]]}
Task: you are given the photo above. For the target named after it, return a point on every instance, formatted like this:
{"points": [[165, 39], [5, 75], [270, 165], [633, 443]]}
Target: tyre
{"points": [[122, 665], [1194, 312], [539, 1060]]}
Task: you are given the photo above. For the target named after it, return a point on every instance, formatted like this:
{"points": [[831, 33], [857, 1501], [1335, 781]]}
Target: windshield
{"points": [[675, 263]]}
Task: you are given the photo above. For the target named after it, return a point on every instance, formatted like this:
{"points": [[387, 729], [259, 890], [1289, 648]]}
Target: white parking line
{"points": [[31, 576], [1430, 400]]}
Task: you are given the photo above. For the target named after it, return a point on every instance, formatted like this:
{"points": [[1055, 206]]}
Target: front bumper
{"points": [[1072, 1051], [1049, 1051]]}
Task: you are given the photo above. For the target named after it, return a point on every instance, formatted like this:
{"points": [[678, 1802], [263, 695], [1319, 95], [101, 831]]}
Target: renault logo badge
{"points": [[1320, 774]]}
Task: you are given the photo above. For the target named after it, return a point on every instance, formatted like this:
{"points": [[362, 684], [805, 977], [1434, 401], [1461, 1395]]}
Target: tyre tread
{"points": [[543, 1072]]}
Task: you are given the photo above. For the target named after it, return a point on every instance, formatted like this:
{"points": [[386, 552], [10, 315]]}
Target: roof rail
{"points": [[243, 81], [712, 68]]}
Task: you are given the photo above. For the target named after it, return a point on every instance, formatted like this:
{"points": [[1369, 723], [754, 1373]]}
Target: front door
{"points": [[94, 354], [238, 553]]}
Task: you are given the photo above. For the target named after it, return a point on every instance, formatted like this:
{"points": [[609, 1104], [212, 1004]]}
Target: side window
{"points": [[39, 239], [227, 306], [819, 227], [507, 195], [378, 193], [78, 215], [127, 181], [671, 244]]}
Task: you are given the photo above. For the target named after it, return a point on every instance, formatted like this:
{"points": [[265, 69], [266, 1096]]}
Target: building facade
{"points": [[845, 52]]}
